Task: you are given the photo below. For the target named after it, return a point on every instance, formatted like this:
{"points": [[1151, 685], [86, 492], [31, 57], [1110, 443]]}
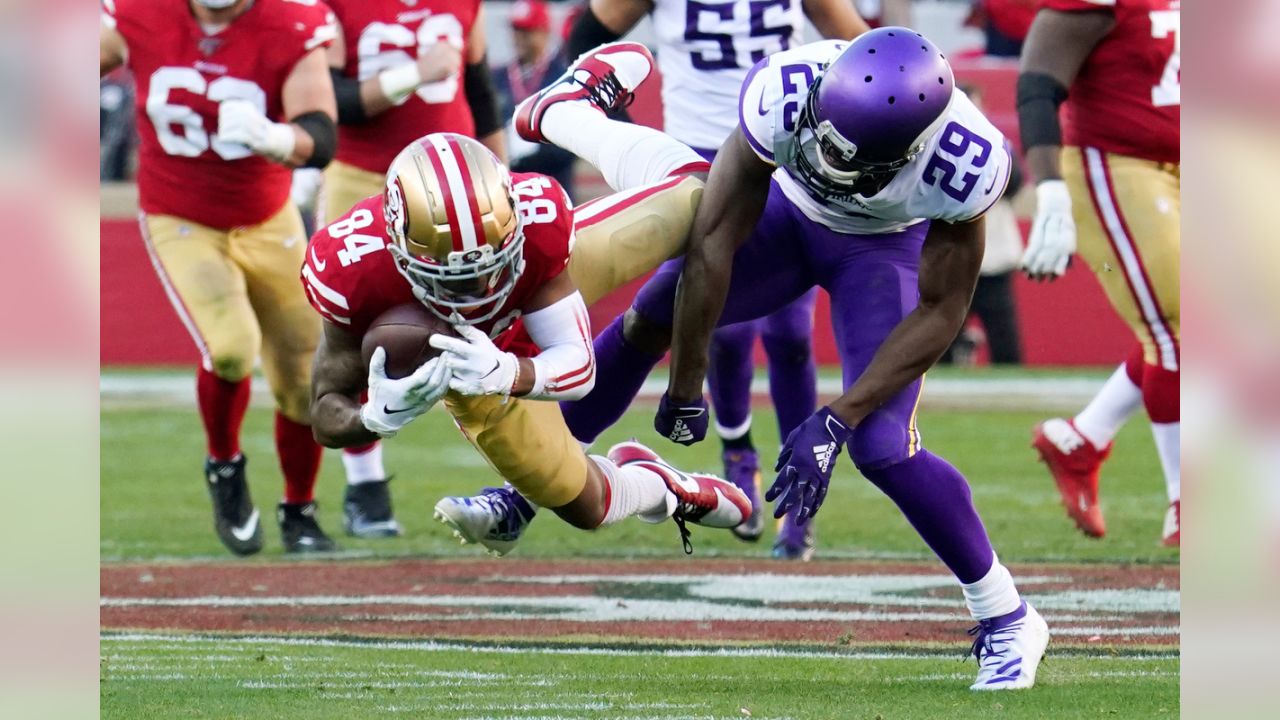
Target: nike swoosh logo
{"points": [[992, 186], [317, 261], [687, 483], [245, 532], [387, 409]]}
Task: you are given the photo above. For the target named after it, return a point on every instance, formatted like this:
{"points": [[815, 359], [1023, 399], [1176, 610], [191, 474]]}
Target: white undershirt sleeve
{"points": [[566, 367]]}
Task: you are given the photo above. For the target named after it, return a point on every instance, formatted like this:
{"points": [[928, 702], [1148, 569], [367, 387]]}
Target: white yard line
{"points": [[177, 641]]}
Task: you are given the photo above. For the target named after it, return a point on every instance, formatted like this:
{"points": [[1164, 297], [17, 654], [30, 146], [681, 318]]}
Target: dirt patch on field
{"points": [[702, 601]]}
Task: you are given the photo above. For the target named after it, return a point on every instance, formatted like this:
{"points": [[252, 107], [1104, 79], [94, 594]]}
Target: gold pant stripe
{"points": [[172, 293], [1117, 230]]}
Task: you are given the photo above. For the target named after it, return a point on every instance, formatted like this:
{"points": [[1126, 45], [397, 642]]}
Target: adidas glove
{"points": [[684, 423], [805, 464]]}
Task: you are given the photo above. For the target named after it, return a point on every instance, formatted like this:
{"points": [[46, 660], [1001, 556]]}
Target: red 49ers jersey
{"points": [[182, 74], [1127, 98], [351, 279], [380, 34]]}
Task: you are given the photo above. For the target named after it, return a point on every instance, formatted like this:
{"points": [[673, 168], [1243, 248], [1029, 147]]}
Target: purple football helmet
{"points": [[874, 107]]}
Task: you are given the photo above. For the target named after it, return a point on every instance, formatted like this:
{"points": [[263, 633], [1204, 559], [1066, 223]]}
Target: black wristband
{"points": [[1039, 96], [481, 98], [324, 136], [588, 33], [347, 91]]}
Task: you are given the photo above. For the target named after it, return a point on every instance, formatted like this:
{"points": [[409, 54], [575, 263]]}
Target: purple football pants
{"points": [[787, 335], [872, 281]]}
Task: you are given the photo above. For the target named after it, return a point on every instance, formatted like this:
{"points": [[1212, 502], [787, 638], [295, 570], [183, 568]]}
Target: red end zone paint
{"points": [[700, 601]]}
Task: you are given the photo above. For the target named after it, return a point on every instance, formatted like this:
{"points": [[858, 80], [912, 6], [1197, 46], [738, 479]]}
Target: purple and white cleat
{"points": [[494, 519], [795, 540], [742, 468], [1009, 649]]}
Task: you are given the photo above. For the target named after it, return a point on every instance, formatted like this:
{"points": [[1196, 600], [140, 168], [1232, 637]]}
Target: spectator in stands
{"points": [[993, 302], [536, 65]]}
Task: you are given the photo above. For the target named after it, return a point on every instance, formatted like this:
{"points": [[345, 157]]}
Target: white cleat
{"points": [[495, 519], [1009, 649]]}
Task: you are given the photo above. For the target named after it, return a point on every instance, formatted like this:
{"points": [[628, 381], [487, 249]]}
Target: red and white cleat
{"points": [[1074, 463], [700, 499], [1173, 525], [605, 77]]}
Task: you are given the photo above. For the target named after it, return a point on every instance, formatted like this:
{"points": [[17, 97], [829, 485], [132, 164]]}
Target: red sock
{"points": [[1161, 394], [222, 406], [299, 459], [1134, 365], [360, 449]]}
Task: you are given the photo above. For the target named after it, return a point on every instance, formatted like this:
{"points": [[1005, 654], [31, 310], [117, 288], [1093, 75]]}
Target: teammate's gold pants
{"points": [[344, 186], [238, 293], [1128, 216], [619, 238]]}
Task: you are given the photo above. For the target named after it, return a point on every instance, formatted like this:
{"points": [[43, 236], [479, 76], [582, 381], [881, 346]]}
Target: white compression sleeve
{"points": [[627, 155], [566, 367]]}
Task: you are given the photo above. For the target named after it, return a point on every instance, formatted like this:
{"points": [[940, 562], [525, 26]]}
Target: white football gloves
{"points": [[392, 403], [1053, 233], [240, 121], [477, 365]]}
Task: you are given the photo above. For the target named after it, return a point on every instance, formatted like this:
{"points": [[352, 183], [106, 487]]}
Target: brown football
{"points": [[404, 331]]}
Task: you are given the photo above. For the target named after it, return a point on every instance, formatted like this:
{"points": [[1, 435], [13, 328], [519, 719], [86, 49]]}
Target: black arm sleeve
{"points": [[481, 98], [323, 132], [347, 90], [1039, 96], [588, 33]]}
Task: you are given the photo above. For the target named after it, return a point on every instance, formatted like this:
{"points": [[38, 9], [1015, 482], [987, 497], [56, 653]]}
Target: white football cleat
{"points": [[495, 519], [1009, 649], [604, 77]]}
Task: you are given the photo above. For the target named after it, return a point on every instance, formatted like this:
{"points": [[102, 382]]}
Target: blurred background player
{"points": [[400, 70], [993, 303], [537, 64], [1114, 185], [231, 94], [704, 52]]}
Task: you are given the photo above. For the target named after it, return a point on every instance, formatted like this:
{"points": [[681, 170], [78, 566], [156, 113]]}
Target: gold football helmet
{"points": [[453, 225]]}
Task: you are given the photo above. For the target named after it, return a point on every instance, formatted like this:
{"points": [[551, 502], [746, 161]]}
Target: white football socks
{"points": [[1169, 445], [994, 595], [626, 154], [364, 467], [634, 490], [1107, 412], [733, 433]]}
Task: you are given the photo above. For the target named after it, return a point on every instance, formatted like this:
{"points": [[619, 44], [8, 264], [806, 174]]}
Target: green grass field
{"points": [[154, 507], [266, 679]]}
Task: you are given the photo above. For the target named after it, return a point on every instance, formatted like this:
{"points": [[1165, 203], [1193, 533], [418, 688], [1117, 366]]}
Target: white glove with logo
{"points": [[1053, 232], [392, 403], [240, 121], [478, 366]]}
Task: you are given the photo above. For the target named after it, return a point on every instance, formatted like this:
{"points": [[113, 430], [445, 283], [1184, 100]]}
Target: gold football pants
{"points": [[619, 238], [344, 186], [1128, 216], [237, 291]]}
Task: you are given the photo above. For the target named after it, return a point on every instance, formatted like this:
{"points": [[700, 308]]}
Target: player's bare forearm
{"points": [[949, 266], [835, 19], [337, 379], [111, 48], [497, 144], [1045, 162], [731, 204]]}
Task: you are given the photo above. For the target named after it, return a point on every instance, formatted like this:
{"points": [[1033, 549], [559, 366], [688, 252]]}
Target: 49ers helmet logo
{"points": [[393, 209]]}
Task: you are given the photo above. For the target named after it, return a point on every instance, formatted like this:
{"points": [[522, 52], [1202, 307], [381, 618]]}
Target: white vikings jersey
{"points": [[705, 50], [959, 175]]}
